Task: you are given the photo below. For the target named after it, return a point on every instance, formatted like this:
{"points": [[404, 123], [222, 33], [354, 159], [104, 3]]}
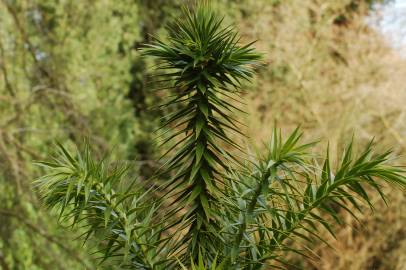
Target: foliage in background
{"points": [[242, 214], [68, 70], [334, 81]]}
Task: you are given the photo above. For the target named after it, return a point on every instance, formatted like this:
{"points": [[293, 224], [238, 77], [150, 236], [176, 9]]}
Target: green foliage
{"points": [[201, 265], [83, 190], [287, 193], [206, 64], [214, 206]]}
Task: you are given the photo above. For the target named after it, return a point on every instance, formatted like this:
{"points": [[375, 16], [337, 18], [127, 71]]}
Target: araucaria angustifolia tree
{"points": [[215, 209]]}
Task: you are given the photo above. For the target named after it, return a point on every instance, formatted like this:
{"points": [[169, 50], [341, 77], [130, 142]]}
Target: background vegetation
{"points": [[71, 69]]}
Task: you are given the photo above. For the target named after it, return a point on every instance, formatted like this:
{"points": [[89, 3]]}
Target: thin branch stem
{"points": [[264, 182]]}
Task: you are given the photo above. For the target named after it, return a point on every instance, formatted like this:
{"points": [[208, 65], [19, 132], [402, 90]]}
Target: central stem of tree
{"points": [[201, 170]]}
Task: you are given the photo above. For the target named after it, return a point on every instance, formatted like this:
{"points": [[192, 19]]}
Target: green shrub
{"points": [[218, 208]]}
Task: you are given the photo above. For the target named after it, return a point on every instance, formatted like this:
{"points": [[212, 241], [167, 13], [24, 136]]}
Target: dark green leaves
{"points": [[202, 53], [206, 62]]}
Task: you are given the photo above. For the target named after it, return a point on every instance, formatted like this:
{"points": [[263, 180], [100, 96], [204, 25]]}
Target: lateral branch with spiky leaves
{"points": [[286, 195], [206, 64], [84, 193]]}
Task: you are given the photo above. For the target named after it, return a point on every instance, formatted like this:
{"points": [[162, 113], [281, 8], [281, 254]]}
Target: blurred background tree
{"points": [[71, 70]]}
